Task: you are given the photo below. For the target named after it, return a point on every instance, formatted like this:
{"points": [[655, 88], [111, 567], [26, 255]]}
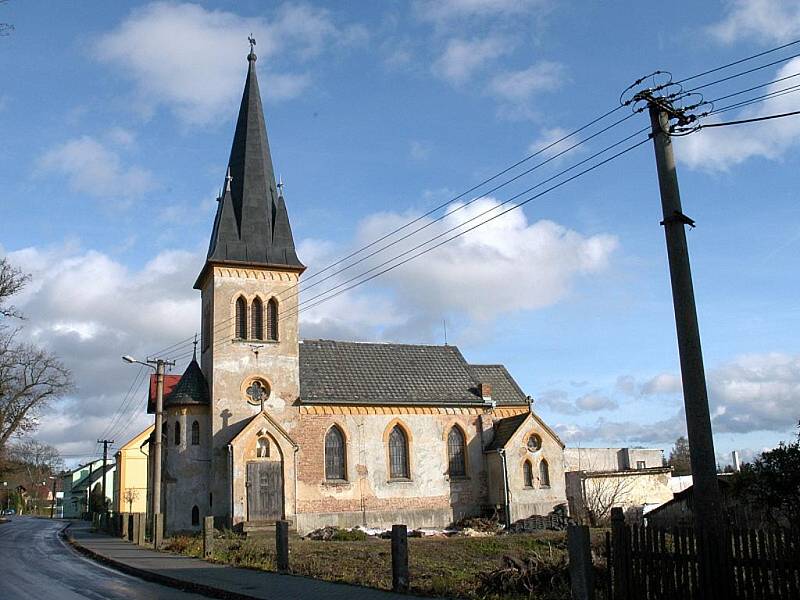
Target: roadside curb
{"points": [[185, 586]]}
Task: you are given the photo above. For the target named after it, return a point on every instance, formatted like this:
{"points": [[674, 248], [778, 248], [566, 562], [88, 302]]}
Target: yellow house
{"points": [[130, 476]]}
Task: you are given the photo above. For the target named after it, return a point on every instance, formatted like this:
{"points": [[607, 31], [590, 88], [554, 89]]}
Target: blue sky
{"points": [[118, 118]]}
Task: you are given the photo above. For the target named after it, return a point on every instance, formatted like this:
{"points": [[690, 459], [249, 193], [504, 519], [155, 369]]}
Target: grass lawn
{"points": [[453, 567]]}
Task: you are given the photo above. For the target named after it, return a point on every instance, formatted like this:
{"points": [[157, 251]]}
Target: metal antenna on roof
{"points": [[444, 324], [228, 180]]}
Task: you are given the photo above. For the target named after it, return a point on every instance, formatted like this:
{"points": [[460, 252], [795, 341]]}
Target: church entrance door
{"points": [[264, 491]]}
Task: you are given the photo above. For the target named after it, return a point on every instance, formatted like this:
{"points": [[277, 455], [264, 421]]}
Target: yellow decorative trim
{"points": [[406, 410]]}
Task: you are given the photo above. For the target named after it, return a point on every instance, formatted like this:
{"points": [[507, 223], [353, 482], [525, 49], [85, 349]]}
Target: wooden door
{"points": [[264, 491]]}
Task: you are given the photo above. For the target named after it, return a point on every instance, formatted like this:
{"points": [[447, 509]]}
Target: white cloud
{"points": [[518, 86], [419, 150], [663, 383], [719, 149], [93, 168], [772, 21], [193, 60], [462, 58], [445, 10], [595, 402], [551, 141]]}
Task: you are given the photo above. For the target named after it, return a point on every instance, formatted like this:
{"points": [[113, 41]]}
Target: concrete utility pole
{"points": [[159, 366], [105, 460]]}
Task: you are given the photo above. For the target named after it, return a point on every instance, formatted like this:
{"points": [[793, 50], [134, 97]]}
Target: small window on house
{"points": [[177, 433], [398, 454], [640, 464], [534, 442], [195, 516], [456, 455], [262, 448], [335, 454], [272, 320], [241, 318], [195, 434], [527, 474], [544, 474], [257, 319]]}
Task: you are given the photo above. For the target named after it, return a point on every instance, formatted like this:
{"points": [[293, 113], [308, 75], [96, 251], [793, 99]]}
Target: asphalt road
{"points": [[35, 563]]}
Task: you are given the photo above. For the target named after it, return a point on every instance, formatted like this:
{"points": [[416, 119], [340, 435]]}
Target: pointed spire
{"points": [[194, 351], [247, 228]]}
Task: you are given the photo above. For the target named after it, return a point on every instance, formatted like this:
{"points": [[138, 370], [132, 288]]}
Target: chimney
{"points": [[737, 465], [485, 390]]}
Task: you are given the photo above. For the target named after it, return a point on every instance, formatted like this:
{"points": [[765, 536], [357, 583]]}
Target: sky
{"points": [[117, 120]]}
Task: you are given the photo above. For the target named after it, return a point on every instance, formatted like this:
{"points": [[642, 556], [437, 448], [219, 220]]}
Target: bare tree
{"points": [[12, 280], [602, 493], [131, 495], [5, 28], [38, 460]]}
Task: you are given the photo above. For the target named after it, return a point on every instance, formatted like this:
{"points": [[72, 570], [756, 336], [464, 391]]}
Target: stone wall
{"points": [[611, 459]]}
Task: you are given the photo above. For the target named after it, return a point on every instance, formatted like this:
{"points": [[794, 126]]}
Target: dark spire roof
{"points": [[191, 389], [252, 225]]}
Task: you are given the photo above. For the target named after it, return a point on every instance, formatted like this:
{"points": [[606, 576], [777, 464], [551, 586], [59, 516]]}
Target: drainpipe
{"points": [[230, 483], [507, 510]]}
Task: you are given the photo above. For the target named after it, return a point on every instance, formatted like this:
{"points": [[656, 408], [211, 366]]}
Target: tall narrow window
{"points": [[241, 318], [334, 454], [398, 454], [527, 473], [272, 320], [456, 456], [257, 319], [177, 433], [195, 516], [165, 434], [544, 474], [195, 433], [206, 326]]}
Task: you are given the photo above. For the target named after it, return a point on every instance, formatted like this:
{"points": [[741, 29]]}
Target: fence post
{"points": [[158, 530], [399, 558], [581, 571], [134, 528], [619, 550], [282, 545], [208, 536], [123, 525], [141, 534]]}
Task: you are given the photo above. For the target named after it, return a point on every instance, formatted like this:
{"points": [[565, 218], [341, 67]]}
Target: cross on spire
{"points": [[252, 41]]}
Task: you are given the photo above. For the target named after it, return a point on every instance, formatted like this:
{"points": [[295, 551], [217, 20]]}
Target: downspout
{"points": [[296, 450], [230, 484], [507, 510]]}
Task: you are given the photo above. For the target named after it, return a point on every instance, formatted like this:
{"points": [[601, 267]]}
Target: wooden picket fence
{"points": [[652, 563]]}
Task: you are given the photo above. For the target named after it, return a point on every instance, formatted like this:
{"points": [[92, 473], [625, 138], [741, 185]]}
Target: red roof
{"points": [[170, 381]]}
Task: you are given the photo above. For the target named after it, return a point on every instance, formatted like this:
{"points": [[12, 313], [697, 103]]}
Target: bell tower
{"points": [[249, 288]]}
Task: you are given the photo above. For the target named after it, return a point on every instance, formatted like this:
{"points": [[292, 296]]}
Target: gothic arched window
{"points": [[241, 318], [177, 433], [334, 454], [257, 319], [544, 474], [456, 455], [398, 454], [527, 474], [195, 434], [195, 516], [272, 320]]}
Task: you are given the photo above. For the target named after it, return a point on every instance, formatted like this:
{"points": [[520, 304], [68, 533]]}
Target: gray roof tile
{"points": [[504, 429]]}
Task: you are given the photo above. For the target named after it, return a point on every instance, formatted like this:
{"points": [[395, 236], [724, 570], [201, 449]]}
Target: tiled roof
{"points": [[504, 429], [191, 389], [334, 372], [170, 381], [505, 390]]}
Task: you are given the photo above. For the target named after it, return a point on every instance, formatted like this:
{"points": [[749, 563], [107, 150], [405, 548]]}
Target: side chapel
{"points": [[319, 432]]}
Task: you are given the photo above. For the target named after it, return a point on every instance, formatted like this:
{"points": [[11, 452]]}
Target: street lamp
{"points": [[158, 366], [53, 505], [8, 496]]}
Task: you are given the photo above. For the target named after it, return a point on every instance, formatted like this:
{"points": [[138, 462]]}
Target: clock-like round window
{"points": [[534, 442], [257, 391]]}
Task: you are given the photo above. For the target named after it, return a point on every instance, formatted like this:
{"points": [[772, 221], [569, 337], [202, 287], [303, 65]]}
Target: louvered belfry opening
{"points": [[257, 319], [241, 318], [335, 454], [398, 454], [456, 456]]}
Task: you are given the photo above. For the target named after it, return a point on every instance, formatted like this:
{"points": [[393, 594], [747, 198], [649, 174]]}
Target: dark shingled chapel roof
{"points": [[504, 429], [191, 389], [252, 225], [504, 389], [333, 372]]}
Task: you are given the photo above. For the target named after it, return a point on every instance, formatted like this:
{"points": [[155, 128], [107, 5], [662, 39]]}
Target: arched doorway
{"points": [[265, 482]]}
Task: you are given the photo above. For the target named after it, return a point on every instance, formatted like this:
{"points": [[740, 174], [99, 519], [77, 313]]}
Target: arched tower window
{"points": [[398, 454], [456, 455], [527, 474], [177, 433], [241, 318], [257, 319], [335, 467], [272, 320], [262, 448], [164, 434], [544, 474], [195, 516], [195, 434]]}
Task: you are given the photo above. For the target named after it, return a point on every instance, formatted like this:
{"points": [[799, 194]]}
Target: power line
{"points": [[741, 74], [753, 120]]}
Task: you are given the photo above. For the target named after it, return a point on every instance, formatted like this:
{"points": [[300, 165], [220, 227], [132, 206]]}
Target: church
{"points": [[265, 426]]}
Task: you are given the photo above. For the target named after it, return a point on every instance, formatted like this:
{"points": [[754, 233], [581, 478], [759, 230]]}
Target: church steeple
{"points": [[251, 225]]}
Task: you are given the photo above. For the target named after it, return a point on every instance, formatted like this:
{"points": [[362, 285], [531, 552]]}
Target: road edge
{"points": [[151, 576]]}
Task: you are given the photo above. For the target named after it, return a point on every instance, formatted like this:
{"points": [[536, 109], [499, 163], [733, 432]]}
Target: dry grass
{"points": [[454, 567]]}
